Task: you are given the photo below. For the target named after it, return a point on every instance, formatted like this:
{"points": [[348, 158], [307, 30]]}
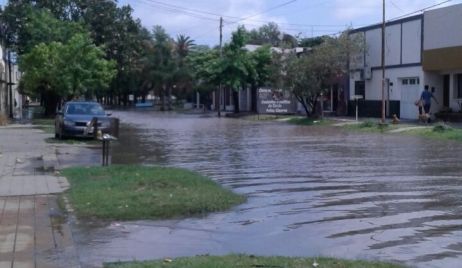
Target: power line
{"points": [[215, 16], [266, 11], [420, 10]]}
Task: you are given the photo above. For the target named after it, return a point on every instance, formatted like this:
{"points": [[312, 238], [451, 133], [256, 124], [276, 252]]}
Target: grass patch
{"points": [[304, 121], [438, 132], [140, 192], [45, 124], [264, 117], [73, 141], [232, 261], [370, 126]]}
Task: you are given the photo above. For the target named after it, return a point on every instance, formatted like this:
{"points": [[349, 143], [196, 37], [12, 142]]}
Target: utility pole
{"points": [[10, 84], [383, 64], [218, 97]]}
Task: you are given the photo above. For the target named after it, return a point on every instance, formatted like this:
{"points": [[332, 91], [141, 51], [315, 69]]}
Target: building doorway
{"points": [[446, 83]]}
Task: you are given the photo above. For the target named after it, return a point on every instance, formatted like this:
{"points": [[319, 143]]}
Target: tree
{"points": [[236, 67], [311, 41], [183, 70], [270, 34], [206, 71], [261, 59], [308, 75], [43, 27], [57, 70]]}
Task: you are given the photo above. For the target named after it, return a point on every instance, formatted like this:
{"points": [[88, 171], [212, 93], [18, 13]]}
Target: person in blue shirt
{"points": [[426, 98]]}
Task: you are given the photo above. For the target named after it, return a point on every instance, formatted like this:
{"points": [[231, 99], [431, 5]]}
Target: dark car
{"points": [[75, 118]]}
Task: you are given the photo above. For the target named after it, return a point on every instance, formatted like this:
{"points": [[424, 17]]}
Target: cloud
{"points": [[204, 28], [349, 10]]}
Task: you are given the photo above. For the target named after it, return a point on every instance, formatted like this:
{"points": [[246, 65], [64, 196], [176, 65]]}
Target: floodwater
{"points": [[312, 191]]}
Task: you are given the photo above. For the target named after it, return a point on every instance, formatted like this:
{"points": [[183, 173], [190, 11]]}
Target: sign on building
{"points": [[276, 101]]}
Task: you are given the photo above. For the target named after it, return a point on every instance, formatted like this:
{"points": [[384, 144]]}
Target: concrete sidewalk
{"points": [[33, 230]]}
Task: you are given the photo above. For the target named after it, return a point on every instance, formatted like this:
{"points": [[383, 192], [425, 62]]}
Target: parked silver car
{"points": [[74, 119]]}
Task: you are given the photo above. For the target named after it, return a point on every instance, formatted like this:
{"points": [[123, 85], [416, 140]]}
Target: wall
{"points": [[411, 42], [443, 28], [403, 43], [374, 86]]}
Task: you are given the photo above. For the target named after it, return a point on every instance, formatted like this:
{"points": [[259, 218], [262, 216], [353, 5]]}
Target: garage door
{"points": [[410, 92]]}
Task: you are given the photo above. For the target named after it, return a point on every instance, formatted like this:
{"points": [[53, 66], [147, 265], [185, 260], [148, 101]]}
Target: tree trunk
{"points": [[125, 100], [314, 105], [169, 101], [162, 98], [50, 102], [236, 101], [304, 104], [254, 96]]}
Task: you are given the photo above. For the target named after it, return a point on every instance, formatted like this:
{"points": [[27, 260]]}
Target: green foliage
{"points": [[72, 69], [308, 75], [367, 124], [232, 261], [261, 60], [442, 127], [204, 75], [138, 192], [308, 122], [43, 27], [311, 41], [270, 34]]}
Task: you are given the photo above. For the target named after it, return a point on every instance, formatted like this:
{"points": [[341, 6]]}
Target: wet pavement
{"points": [[312, 191]]}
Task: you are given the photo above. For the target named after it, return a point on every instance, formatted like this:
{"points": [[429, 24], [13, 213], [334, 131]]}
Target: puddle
{"points": [[312, 191]]}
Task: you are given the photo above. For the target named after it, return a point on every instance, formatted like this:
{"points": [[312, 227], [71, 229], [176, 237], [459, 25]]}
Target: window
{"points": [[410, 81], [459, 86], [360, 88]]}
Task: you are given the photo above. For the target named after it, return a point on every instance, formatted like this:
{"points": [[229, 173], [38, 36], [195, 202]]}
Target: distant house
{"points": [[420, 50], [10, 100], [334, 100]]}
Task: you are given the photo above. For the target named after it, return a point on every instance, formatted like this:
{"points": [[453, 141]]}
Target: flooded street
{"points": [[312, 191]]}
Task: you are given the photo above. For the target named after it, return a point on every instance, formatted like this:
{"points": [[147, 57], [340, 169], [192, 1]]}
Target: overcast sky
{"points": [[200, 18]]}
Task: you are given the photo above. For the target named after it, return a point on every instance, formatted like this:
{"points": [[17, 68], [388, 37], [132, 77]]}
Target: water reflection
{"points": [[312, 191]]}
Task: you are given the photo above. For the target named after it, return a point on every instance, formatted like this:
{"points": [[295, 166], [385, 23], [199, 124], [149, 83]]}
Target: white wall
{"points": [[374, 47], [392, 45], [374, 86], [443, 27], [453, 100], [412, 35]]}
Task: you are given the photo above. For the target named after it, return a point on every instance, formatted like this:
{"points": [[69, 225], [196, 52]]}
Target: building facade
{"points": [[420, 50], [11, 101]]}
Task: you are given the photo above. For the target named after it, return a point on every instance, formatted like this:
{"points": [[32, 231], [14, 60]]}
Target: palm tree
{"points": [[183, 45], [183, 73]]}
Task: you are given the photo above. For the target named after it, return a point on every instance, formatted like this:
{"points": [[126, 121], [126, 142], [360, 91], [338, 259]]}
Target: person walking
{"points": [[426, 98]]}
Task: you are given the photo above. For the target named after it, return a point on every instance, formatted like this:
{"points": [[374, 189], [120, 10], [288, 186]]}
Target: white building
{"points": [[420, 50], [10, 100]]}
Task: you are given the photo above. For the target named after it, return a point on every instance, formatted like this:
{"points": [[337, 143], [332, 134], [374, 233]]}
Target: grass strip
{"points": [[234, 261], [438, 132], [304, 121], [371, 127], [45, 124], [141, 192]]}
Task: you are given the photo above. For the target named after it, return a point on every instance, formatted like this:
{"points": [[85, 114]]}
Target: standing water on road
{"points": [[312, 191]]}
